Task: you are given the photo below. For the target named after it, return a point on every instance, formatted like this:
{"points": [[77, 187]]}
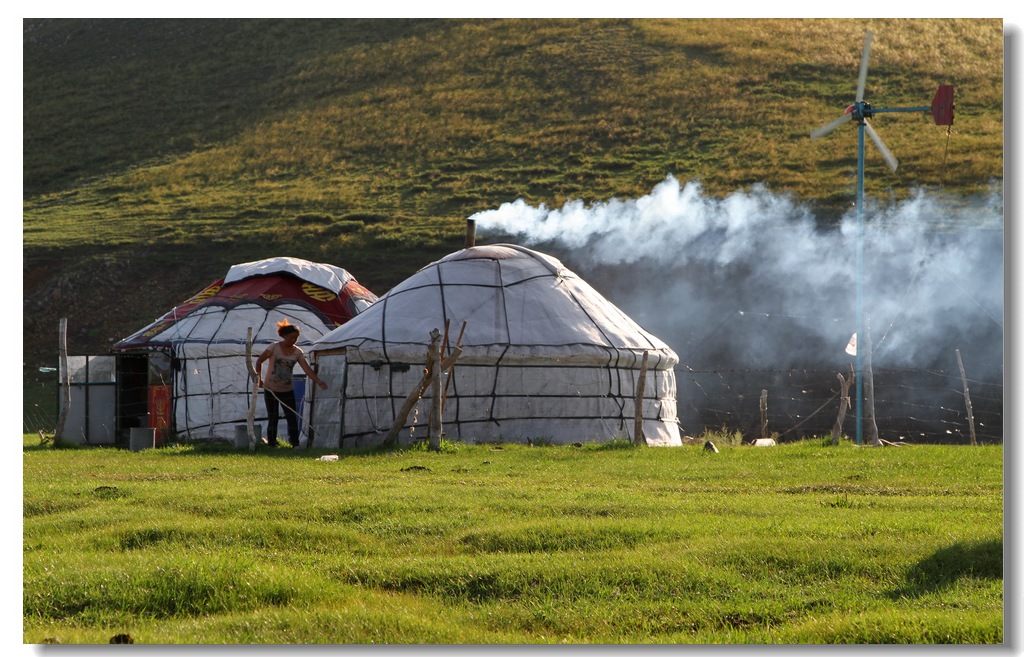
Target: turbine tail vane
{"points": [[942, 105]]}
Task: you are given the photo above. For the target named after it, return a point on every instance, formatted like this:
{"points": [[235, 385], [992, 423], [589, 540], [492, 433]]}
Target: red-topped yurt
{"points": [[186, 373]]}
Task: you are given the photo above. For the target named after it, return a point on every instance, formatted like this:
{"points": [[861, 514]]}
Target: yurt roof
{"points": [[515, 302], [257, 294], [325, 275]]}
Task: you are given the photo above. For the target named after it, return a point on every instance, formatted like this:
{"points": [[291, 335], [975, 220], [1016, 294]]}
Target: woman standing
{"points": [[278, 390]]}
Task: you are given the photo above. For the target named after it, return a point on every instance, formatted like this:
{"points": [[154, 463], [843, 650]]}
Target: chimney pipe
{"points": [[470, 233]]}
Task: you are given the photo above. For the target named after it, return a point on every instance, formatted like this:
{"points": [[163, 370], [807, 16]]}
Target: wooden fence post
{"points": [[436, 426], [844, 404], [65, 384], [764, 413], [451, 371], [967, 398], [250, 420], [638, 414], [416, 393], [869, 388]]}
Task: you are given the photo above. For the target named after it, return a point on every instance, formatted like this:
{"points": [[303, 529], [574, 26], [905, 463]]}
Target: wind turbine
{"points": [[942, 112]]}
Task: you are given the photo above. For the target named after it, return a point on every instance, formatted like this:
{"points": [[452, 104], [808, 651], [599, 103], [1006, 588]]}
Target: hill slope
{"points": [[159, 152]]}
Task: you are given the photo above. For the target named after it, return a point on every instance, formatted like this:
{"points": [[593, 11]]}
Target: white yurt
{"points": [[545, 358], [186, 373]]}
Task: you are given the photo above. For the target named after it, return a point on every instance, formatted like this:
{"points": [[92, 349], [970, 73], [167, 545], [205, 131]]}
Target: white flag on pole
{"points": [[851, 346]]}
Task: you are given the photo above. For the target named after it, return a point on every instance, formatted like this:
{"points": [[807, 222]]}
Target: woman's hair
{"points": [[284, 328]]}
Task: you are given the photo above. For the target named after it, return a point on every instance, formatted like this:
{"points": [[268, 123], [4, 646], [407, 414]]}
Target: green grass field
{"points": [[507, 544]]}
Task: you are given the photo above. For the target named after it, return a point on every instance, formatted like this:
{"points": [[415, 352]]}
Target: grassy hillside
{"points": [[159, 152]]}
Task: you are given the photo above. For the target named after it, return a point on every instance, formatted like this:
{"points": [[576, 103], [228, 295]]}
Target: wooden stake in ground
{"points": [[448, 377], [416, 393], [869, 389], [250, 420], [444, 341], [967, 398], [65, 384], [844, 404], [764, 413], [436, 426], [638, 415]]}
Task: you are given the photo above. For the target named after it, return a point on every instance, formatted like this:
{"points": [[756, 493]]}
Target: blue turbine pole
{"points": [[942, 111], [860, 278]]}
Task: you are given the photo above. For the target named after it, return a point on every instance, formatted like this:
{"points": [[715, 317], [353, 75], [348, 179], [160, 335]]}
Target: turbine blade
{"points": [[864, 57], [889, 158], [830, 126]]}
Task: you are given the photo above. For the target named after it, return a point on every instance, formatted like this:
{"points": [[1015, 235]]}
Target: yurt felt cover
{"points": [[544, 357], [207, 333]]}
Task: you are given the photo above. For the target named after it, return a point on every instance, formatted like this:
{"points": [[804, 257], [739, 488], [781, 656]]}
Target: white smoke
{"points": [[660, 227], [756, 280]]}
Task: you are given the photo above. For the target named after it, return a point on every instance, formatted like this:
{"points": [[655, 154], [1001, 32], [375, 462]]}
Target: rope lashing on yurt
{"points": [[494, 387]]}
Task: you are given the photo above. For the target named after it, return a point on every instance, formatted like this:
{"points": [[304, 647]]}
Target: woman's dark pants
{"points": [[274, 400]]}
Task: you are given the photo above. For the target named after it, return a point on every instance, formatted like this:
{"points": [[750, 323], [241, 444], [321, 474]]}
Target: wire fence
{"points": [[35, 419], [920, 406]]}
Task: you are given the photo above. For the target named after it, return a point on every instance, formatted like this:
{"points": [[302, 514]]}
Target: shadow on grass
{"points": [[980, 560]]}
